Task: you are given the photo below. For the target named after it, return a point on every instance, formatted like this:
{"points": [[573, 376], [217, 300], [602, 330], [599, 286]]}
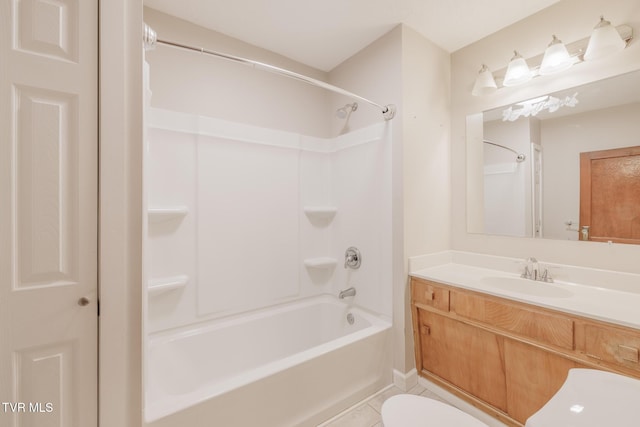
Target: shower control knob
{"points": [[352, 258], [83, 301]]}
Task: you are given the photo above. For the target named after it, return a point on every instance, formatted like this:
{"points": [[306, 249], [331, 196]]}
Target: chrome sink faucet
{"points": [[545, 276], [349, 292], [533, 270], [530, 269]]}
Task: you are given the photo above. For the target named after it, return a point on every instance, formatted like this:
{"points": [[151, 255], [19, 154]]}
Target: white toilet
{"points": [[408, 410], [588, 398], [591, 398]]}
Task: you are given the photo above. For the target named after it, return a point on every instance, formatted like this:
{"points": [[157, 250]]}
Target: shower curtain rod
{"points": [[151, 40], [520, 157]]}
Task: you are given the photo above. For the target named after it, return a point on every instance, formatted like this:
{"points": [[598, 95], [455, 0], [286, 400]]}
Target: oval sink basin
{"points": [[526, 287]]}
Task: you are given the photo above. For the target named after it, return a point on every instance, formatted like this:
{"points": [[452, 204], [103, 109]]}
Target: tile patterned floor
{"points": [[367, 414]]}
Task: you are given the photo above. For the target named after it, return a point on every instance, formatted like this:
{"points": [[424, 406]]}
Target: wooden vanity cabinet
{"points": [[505, 357]]}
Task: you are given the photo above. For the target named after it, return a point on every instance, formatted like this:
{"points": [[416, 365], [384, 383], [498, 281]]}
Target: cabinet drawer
{"points": [[545, 327], [613, 346], [427, 293]]}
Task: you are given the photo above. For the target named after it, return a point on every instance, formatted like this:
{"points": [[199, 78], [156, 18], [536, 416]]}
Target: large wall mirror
{"points": [[561, 166]]}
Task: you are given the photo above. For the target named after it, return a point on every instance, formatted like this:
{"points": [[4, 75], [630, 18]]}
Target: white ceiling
{"points": [[323, 33]]}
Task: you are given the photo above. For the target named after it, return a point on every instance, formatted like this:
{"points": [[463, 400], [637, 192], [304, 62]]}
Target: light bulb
{"points": [[518, 71], [556, 58], [485, 83], [604, 40]]}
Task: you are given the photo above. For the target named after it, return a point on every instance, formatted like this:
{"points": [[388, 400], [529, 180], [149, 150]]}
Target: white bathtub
{"points": [[290, 365]]}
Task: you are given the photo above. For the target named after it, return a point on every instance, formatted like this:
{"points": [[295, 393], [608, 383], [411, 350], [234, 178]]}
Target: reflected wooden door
{"points": [[610, 195]]}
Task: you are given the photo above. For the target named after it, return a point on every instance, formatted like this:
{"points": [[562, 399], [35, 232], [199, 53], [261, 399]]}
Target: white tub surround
{"points": [[247, 230], [291, 364], [221, 194], [604, 295]]}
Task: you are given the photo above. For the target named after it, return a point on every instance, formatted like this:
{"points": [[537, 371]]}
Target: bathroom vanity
{"points": [[508, 355]]}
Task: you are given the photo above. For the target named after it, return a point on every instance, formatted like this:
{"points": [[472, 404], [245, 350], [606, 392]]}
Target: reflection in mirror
{"points": [[561, 166]]}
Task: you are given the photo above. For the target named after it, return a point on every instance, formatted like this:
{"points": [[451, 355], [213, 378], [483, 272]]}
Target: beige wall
{"points": [[426, 156], [405, 69], [215, 87], [426, 125], [571, 20], [373, 73]]}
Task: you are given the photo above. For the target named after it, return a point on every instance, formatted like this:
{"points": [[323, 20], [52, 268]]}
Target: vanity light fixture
{"points": [[485, 83], [604, 40], [556, 58], [518, 71]]}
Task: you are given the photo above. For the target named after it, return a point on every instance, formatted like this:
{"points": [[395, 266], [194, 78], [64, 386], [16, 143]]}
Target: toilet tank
{"points": [[592, 398]]}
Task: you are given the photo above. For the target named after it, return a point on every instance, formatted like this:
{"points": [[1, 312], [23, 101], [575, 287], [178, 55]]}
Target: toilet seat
{"points": [[408, 410], [591, 398]]}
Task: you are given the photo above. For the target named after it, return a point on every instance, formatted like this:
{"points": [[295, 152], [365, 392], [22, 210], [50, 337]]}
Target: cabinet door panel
{"points": [[467, 357], [533, 377], [546, 327]]}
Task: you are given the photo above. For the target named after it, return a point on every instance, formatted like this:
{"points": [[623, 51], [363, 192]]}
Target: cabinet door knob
{"points": [[425, 330], [429, 295], [83, 301]]}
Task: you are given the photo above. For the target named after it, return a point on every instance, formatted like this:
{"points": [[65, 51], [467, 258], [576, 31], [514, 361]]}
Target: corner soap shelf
{"points": [[320, 262], [324, 213], [166, 284], [166, 214]]}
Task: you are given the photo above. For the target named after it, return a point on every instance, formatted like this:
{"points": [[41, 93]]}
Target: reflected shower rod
{"points": [[151, 40], [520, 157]]}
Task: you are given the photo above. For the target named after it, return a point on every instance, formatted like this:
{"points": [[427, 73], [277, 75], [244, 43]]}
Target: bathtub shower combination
{"points": [[251, 318], [247, 231]]}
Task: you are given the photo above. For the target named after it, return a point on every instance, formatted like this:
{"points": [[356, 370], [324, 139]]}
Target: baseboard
{"points": [[405, 382]]}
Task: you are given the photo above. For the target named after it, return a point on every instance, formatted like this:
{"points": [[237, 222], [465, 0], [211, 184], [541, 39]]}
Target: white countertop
{"points": [[609, 305]]}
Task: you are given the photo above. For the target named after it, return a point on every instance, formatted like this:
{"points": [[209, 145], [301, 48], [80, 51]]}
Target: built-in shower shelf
{"points": [[325, 213], [166, 214], [320, 262], [167, 284]]}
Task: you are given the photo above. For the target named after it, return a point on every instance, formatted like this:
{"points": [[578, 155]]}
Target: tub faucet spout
{"points": [[350, 292]]}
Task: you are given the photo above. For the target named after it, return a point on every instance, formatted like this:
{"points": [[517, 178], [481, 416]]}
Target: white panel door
{"points": [[48, 213]]}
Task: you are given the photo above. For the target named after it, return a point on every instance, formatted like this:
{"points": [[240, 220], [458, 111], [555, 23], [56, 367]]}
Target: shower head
{"points": [[345, 111]]}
